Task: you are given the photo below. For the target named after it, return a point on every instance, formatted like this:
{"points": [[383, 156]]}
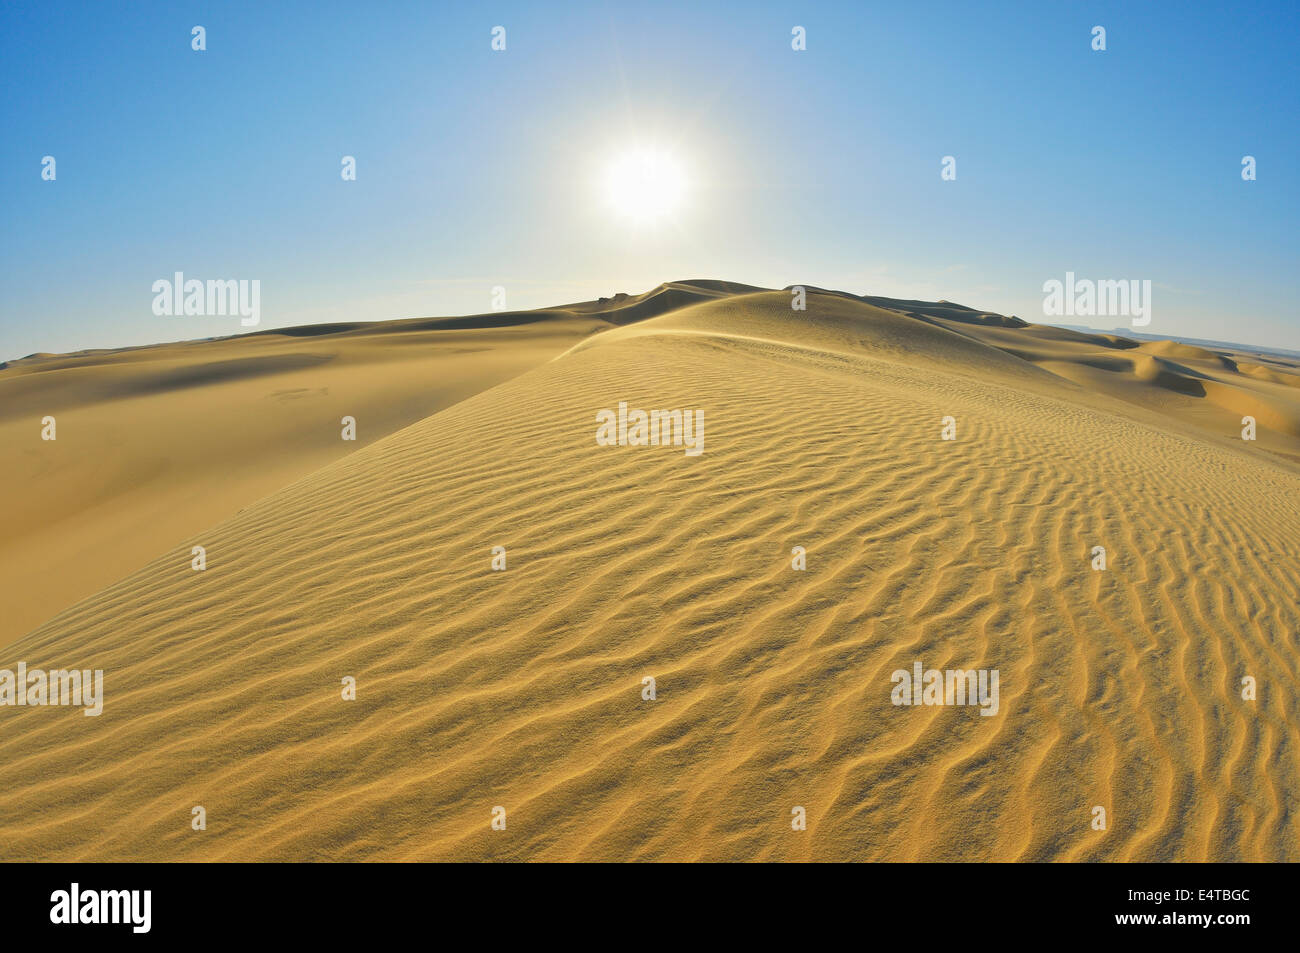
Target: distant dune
{"points": [[523, 688]]}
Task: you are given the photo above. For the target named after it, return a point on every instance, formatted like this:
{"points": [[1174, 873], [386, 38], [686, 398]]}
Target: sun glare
{"points": [[644, 185]]}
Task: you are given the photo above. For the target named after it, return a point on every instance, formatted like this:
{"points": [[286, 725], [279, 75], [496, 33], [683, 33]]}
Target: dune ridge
{"points": [[523, 688]]}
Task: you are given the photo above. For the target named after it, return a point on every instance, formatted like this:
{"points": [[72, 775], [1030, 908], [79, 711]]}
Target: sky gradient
{"points": [[478, 168]]}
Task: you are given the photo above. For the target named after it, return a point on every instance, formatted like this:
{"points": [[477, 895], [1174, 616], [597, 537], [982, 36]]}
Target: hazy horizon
{"points": [[1075, 326]]}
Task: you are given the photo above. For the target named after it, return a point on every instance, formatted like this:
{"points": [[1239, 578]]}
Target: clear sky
{"points": [[478, 168]]}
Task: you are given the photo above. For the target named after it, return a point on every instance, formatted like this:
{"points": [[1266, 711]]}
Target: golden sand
{"points": [[522, 688]]}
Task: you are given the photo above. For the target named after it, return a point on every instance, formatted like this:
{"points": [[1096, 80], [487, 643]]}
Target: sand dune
{"points": [[156, 443], [523, 688]]}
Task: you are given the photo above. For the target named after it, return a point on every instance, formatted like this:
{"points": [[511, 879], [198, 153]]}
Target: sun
{"points": [[644, 186]]}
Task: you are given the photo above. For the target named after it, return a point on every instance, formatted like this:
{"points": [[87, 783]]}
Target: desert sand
{"points": [[523, 688], [156, 443]]}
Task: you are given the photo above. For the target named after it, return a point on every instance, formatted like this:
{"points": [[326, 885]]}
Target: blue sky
{"points": [[478, 168]]}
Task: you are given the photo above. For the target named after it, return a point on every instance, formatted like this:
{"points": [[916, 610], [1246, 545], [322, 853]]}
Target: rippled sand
{"points": [[523, 688]]}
